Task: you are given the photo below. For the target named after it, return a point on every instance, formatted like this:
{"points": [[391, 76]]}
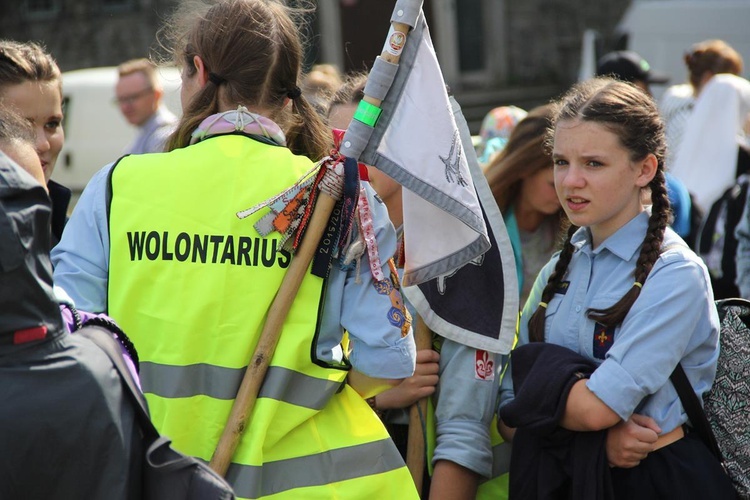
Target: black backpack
{"points": [[696, 223], [716, 242], [167, 473]]}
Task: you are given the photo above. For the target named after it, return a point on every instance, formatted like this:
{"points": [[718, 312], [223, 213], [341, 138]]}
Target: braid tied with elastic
{"points": [[650, 251], [536, 322]]}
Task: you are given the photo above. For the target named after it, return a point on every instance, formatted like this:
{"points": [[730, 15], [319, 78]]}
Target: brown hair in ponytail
{"points": [[253, 51], [632, 115]]}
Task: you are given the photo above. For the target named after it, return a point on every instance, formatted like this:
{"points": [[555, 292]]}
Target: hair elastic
{"points": [[216, 79], [543, 304], [639, 285], [293, 93]]}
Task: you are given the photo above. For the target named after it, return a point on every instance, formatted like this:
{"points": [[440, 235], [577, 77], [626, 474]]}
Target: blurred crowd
{"points": [[609, 199]]}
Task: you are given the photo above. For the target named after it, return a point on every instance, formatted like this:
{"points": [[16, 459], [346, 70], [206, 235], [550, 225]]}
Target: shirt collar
{"points": [[151, 122], [239, 120], [624, 243]]}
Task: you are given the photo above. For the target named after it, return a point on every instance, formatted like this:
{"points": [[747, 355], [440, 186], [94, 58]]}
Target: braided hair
{"points": [[26, 62], [632, 115]]}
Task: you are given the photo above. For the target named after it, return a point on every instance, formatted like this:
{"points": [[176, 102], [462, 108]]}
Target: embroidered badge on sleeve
{"points": [[398, 315], [484, 366]]}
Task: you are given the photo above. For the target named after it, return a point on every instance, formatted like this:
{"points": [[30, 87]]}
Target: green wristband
{"points": [[367, 113]]}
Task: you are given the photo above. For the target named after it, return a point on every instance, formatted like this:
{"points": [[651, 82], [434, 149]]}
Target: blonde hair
{"points": [[15, 128], [523, 156], [141, 65]]}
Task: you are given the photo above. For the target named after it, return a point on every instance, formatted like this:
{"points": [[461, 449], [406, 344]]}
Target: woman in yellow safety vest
{"points": [[156, 242]]}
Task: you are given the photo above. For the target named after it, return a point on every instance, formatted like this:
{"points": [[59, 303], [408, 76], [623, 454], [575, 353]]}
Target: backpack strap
{"points": [[104, 340], [690, 401], [112, 327], [694, 410], [167, 473], [723, 304]]}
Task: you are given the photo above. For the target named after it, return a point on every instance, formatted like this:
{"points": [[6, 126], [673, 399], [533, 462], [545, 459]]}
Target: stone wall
{"points": [[87, 33], [544, 36]]}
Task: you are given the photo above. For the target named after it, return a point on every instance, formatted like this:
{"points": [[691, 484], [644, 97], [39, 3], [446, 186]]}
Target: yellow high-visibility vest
{"points": [[191, 283], [496, 487]]}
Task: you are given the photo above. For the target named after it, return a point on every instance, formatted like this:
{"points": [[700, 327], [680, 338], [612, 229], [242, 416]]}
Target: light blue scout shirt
{"points": [[465, 405], [673, 320], [152, 135], [81, 261]]}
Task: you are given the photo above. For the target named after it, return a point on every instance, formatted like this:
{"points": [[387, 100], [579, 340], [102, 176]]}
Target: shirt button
{"points": [[578, 309]]}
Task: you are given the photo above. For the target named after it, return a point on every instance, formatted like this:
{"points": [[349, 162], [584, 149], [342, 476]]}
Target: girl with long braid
{"points": [[623, 303]]}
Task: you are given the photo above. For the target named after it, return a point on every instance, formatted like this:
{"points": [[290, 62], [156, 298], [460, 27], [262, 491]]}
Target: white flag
{"points": [[417, 143], [459, 272]]}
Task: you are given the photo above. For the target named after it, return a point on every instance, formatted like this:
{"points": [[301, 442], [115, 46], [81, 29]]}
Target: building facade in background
{"points": [[86, 33], [492, 52]]}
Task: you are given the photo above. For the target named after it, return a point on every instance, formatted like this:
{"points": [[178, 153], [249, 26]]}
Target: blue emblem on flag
{"points": [[603, 339]]}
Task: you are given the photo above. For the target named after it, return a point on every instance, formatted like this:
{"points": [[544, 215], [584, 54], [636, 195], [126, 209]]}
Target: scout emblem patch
{"points": [[603, 339], [484, 366], [562, 288], [398, 315]]}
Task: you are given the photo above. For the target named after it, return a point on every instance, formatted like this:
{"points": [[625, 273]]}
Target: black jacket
{"points": [[67, 430], [550, 462]]}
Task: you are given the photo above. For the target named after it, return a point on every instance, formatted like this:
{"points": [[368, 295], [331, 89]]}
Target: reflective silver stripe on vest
{"points": [[281, 384], [314, 470]]}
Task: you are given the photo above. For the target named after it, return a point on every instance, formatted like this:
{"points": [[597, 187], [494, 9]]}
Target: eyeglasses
{"points": [[130, 99]]}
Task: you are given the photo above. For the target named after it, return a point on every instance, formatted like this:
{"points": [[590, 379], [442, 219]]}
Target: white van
{"points": [[96, 133]]}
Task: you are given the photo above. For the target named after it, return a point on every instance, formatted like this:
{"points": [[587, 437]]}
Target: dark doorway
{"points": [[364, 27]]}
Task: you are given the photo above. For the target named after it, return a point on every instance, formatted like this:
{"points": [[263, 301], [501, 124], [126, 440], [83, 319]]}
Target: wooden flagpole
{"points": [[415, 447], [256, 371], [415, 453]]}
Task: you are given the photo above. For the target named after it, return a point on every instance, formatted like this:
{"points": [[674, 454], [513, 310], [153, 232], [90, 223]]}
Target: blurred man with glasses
{"points": [[139, 93]]}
